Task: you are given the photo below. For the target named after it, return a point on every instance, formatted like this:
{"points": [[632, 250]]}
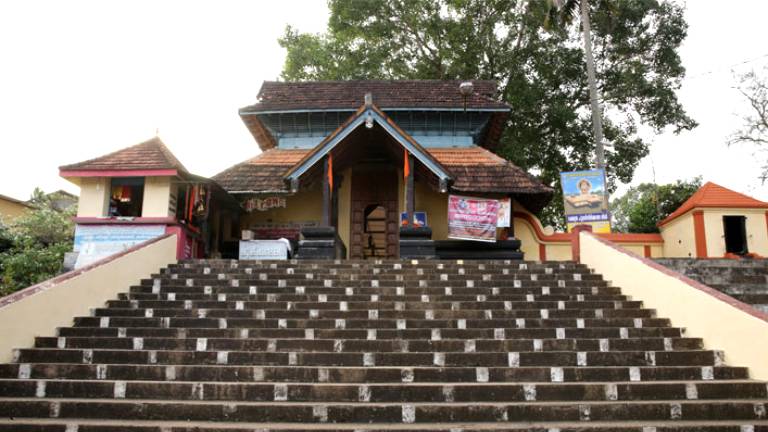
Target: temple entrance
{"points": [[735, 230], [374, 227]]}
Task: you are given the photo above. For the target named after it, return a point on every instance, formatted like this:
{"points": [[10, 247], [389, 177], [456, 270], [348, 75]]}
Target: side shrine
{"points": [[356, 169]]}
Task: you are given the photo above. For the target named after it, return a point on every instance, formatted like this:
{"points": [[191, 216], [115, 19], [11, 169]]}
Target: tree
{"points": [[754, 130], [645, 205], [32, 248], [567, 9], [541, 74]]}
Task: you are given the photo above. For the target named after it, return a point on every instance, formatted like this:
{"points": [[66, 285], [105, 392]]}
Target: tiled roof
{"points": [[712, 195], [263, 173], [349, 95], [474, 169], [149, 155]]}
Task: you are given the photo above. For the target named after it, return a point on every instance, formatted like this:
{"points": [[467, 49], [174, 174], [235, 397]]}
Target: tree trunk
{"points": [[597, 121]]}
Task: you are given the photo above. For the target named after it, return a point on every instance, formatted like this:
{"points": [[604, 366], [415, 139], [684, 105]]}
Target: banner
{"points": [[585, 200], [472, 218], [94, 242], [505, 213]]}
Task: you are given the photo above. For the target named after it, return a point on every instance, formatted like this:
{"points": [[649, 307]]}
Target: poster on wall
{"points": [[585, 200], [419, 219], [505, 213], [95, 242], [472, 218]]}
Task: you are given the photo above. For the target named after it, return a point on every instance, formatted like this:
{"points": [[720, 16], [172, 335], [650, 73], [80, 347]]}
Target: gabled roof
{"points": [[346, 95], [712, 195], [364, 113], [474, 169], [151, 155]]}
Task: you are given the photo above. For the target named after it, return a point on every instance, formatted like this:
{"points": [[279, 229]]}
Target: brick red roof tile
{"points": [[712, 195], [260, 174], [474, 169], [349, 95], [148, 155]]}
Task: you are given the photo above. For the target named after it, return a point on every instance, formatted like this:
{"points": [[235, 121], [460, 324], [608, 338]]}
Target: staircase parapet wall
{"points": [[721, 321], [42, 308]]}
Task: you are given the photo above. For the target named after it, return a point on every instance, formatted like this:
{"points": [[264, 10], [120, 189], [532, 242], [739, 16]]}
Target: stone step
{"points": [[384, 315], [521, 302], [500, 344], [323, 323], [383, 393], [473, 359], [364, 412], [90, 425], [376, 374], [375, 334]]}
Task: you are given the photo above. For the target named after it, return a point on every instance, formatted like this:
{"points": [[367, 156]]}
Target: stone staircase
{"points": [[745, 280], [375, 345]]}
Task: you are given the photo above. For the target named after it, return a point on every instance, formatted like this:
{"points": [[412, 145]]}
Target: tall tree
{"points": [[566, 10], [541, 73], [753, 86]]}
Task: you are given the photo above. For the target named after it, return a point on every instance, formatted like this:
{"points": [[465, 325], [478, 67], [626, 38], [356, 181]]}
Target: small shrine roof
{"points": [[712, 195], [150, 155]]}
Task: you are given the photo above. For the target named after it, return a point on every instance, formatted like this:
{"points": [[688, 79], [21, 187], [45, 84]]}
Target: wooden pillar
{"points": [[410, 199], [326, 194]]}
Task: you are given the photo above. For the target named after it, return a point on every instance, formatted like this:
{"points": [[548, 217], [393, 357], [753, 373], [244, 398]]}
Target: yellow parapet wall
{"points": [[721, 321], [40, 309]]}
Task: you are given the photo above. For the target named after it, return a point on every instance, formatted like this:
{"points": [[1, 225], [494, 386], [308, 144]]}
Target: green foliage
{"points": [[541, 72], [32, 248], [645, 205]]}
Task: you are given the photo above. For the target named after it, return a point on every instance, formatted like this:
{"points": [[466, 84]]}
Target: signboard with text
{"points": [[472, 218], [94, 242], [585, 200]]}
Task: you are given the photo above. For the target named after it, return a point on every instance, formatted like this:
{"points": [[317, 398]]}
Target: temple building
{"points": [[362, 169]]}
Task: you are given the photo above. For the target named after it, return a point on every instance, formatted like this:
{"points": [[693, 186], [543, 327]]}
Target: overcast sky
{"points": [[79, 79]]}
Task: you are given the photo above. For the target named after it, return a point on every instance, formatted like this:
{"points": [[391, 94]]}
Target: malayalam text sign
{"points": [[472, 218]]}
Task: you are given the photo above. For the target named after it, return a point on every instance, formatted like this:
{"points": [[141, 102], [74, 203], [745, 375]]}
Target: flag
{"points": [[330, 172], [406, 165]]}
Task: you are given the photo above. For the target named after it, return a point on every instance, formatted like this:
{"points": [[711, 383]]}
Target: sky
{"points": [[79, 79]]}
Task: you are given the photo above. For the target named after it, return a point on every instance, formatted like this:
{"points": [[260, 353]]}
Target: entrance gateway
{"points": [[362, 157]]}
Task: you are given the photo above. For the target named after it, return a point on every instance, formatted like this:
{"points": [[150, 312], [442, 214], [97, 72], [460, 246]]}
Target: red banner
{"points": [[472, 218]]}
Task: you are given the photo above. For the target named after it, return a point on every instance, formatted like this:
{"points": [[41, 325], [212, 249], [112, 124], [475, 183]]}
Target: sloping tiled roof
{"points": [[349, 95], [479, 170], [712, 195], [263, 173], [149, 155], [474, 169]]}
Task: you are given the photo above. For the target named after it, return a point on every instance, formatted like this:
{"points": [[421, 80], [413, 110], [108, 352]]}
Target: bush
{"points": [[32, 248]]}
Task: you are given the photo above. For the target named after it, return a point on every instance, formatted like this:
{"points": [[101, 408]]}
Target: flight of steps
{"points": [[375, 345], [745, 279]]}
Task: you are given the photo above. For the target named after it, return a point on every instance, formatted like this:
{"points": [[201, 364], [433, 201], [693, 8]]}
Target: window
{"points": [[127, 196]]}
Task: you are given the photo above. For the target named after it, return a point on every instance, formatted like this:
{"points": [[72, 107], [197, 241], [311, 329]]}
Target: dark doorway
{"points": [[374, 228], [735, 230]]}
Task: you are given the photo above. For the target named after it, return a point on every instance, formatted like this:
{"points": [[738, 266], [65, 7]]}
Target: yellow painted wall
{"points": [[10, 210], [306, 205], [436, 206], [757, 232], [679, 237], [41, 313], [743, 338], [94, 197], [157, 195]]}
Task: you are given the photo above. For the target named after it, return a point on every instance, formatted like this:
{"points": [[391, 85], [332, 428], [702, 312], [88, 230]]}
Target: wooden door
{"points": [[374, 187]]}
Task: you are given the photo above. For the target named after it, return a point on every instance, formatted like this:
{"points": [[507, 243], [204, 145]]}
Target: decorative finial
{"points": [[368, 100]]}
